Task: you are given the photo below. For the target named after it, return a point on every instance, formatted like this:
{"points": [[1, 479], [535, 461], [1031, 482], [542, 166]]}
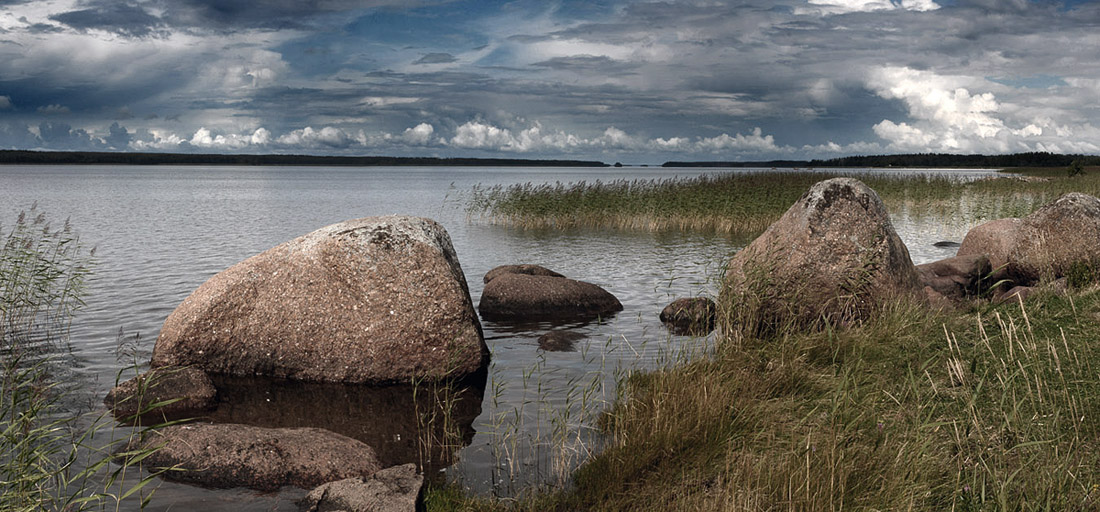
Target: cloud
{"points": [[53, 109], [118, 138], [418, 135], [327, 137], [112, 16], [436, 58], [5, 102], [849, 6]]}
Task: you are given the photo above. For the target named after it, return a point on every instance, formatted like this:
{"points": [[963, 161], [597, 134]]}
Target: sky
{"points": [[609, 80]]}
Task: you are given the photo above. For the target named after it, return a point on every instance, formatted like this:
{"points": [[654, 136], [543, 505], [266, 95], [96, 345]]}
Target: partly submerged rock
{"points": [[560, 340], [531, 270], [167, 392], [372, 300], [690, 316], [265, 459], [1044, 245], [395, 489], [832, 257], [526, 297]]}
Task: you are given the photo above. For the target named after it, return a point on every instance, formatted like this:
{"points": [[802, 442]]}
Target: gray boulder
{"points": [[532, 270], [265, 459], [182, 392], [529, 297], [958, 278], [372, 300], [396, 489], [832, 257], [690, 316], [1043, 245]]}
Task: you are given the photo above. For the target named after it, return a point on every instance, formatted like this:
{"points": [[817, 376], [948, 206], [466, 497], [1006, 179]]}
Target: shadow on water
{"points": [[427, 424]]}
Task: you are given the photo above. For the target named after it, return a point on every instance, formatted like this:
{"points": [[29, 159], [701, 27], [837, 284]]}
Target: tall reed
{"points": [[49, 457]]}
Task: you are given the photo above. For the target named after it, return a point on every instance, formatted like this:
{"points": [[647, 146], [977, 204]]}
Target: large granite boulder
{"points": [[372, 300], [227, 455], [513, 296], [1043, 245], [832, 257], [395, 489], [162, 393]]}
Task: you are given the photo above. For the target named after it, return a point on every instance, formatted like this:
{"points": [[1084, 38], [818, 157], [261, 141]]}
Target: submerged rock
{"points": [[524, 297], [372, 300], [395, 489], [690, 316], [227, 455], [560, 341], [832, 257], [1043, 245], [187, 391]]}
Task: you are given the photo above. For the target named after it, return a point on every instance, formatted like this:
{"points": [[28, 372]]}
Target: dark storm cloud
{"points": [[270, 14], [436, 58], [121, 18], [588, 64]]}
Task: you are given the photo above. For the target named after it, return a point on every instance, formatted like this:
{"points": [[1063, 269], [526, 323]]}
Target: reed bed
{"points": [[994, 409], [743, 204]]}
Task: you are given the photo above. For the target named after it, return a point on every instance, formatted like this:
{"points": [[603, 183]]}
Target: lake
{"points": [[161, 231]]}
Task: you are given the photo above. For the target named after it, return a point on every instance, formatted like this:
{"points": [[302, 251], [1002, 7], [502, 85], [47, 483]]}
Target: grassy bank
{"points": [[993, 409], [744, 204]]}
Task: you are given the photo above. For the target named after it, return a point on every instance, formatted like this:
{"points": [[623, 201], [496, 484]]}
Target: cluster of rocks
{"points": [[383, 300], [835, 258], [378, 300]]}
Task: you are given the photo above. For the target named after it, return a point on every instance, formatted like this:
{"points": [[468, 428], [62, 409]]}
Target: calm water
{"points": [[162, 231]]}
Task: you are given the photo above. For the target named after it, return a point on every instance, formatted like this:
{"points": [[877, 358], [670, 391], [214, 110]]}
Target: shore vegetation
{"points": [[992, 407], [744, 203]]}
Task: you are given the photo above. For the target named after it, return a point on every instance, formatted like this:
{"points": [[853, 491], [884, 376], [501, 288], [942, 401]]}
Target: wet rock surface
{"points": [[373, 300], [184, 392], [513, 296], [690, 316], [265, 459], [395, 489], [833, 255]]}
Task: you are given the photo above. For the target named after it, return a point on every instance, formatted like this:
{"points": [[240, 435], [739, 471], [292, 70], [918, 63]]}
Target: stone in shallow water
{"points": [[189, 392], [396, 489], [230, 455], [690, 316], [372, 300], [525, 297]]}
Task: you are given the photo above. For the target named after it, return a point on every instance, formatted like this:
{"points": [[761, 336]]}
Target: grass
{"points": [[49, 456], [743, 204], [994, 409]]}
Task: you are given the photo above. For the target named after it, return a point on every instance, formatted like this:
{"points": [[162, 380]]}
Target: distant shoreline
{"points": [[24, 157], [922, 160]]}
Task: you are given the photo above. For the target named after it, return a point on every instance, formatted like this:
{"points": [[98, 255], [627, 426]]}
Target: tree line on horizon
{"points": [[120, 158], [931, 160]]}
